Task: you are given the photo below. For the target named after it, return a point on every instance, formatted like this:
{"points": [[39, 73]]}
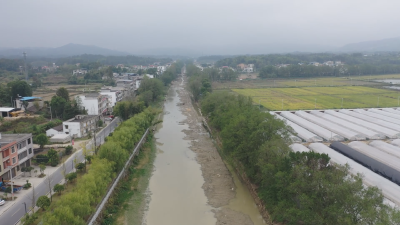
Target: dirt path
{"points": [[218, 186]]}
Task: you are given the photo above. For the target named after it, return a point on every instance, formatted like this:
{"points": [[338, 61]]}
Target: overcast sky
{"points": [[199, 25]]}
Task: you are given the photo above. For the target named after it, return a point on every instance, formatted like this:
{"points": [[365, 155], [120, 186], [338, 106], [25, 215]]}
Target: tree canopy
{"points": [[296, 188]]}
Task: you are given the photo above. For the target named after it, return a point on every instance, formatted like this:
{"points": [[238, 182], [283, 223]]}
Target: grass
{"points": [[322, 97]]}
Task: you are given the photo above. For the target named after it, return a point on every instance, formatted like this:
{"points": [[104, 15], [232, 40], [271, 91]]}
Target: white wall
{"points": [[113, 97], [91, 105], [73, 127]]}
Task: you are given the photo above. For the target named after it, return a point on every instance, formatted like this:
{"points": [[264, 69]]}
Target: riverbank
{"points": [[127, 206], [219, 186]]}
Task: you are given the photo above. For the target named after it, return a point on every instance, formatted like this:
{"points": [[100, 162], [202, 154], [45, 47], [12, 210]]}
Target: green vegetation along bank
{"points": [[76, 206], [296, 188]]}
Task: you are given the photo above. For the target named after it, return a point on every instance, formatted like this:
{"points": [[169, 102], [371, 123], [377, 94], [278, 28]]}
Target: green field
{"points": [[322, 97]]}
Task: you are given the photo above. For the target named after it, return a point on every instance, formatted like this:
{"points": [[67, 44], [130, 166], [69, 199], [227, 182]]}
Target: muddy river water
{"points": [[175, 190]]}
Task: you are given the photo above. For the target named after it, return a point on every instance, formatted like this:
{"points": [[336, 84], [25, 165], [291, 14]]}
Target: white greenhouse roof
{"points": [[312, 127], [351, 135], [301, 132], [389, 189], [349, 125], [376, 154], [378, 125], [388, 148], [299, 148]]}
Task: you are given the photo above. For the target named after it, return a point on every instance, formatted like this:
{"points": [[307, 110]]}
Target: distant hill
{"points": [[392, 44], [63, 51]]}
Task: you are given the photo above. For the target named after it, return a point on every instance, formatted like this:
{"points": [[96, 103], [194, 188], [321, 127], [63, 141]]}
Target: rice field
{"points": [[322, 97]]}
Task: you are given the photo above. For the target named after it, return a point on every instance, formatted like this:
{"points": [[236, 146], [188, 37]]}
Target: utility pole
{"points": [[94, 136], [51, 196], [51, 114], [26, 69], [25, 208]]}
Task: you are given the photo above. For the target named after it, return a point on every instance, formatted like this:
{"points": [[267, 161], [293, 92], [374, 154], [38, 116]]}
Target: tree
{"points": [[42, 140], [63, 93], [58, 105], [53, 157], [68, 150], [58, 188], [71, 177], [80, 167], [42, 167], [43, 202], [20, 88]]}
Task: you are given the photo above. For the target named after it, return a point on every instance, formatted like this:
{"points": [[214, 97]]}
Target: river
{"points": [[175, 189]]}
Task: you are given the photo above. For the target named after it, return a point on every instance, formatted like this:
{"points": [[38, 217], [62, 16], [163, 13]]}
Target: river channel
{"points": [[175, 189]]}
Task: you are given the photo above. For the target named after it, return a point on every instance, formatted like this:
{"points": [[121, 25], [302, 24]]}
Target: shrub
{"points": [[68, 150], [43, 202], [58, 188], [71, 177]]}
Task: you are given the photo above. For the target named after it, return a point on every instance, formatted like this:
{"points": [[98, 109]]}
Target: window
{"points": [[66, 126], [30, 151], [17, 168], [0, 168], [29, 141], [14, 160], [67, 132], [22, 155], [12, 149]]}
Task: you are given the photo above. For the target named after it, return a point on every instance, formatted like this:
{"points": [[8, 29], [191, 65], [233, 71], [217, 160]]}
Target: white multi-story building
{"points": [[95, 103], [115, 94], [80, 126]]}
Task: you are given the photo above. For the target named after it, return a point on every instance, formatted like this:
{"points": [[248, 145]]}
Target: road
{"points": [[15, 212]]}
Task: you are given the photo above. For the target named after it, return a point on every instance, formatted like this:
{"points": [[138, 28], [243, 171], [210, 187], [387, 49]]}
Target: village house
{"points": [[80, 125], [16, 152]]}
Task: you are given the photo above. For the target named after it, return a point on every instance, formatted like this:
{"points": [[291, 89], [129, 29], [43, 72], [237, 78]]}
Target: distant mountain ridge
{"points": [[63, 51], [383, 45]]}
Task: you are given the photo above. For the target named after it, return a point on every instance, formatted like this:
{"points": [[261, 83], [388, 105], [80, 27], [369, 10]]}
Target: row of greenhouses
{"points": [[342, 125]]}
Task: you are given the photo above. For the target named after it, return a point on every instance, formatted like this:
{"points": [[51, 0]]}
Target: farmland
{"points": [[250, 81], [322, 97]]}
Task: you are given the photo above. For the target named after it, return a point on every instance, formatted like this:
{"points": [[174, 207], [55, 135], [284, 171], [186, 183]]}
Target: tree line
{"points": [[296, 188], [76, 206], [354, 64]]}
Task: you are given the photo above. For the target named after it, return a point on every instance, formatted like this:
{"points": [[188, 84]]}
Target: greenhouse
{"points": [[368, 162], [391, 130], [396, 142], [378, 116], [388, 148], [388, 114], [301, 132], [320, 131], [389, 189], [376, 154], [299, 148], [349, 125], [349, 134], [390, 110]]}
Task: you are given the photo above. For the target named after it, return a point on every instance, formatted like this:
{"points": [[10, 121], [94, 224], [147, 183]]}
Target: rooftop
{"points": [[58, 128], [82, 118], [8, 138], [29, 98], [6, 109]]}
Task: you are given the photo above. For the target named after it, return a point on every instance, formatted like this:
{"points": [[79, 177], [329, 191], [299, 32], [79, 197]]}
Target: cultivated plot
{"points": [[322, 97]]}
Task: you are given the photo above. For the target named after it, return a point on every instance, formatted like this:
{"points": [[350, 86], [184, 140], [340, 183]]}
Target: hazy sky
{"points": [[201, 25]]}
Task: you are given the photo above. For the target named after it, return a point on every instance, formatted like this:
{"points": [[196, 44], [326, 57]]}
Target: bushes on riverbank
{"points": [[296, 188], [75, 207]]}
